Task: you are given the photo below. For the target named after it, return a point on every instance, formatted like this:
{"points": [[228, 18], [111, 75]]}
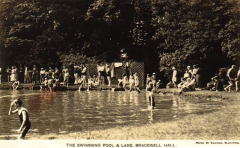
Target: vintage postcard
{"points": [[119, 73]]}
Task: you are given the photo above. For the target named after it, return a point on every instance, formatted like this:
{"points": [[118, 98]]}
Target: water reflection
{"points": [[68, 111]]}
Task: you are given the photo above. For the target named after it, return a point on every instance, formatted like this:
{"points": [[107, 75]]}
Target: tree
{"points": [[188, 35]]}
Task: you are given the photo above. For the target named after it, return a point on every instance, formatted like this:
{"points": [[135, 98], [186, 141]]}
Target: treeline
{"points": [[160, 33]]}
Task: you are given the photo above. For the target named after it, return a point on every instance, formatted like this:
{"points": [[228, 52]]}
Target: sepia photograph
{"points": [[119, 73]]}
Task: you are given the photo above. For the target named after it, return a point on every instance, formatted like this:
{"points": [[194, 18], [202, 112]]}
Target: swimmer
{"points": [[15, 84], [23, 116]]}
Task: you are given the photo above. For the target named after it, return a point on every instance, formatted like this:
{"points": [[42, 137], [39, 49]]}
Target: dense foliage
{"points": [[160, 33]]}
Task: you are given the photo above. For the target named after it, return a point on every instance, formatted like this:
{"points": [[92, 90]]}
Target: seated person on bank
{"points": [[95, 80], [90, 83], [218, 86], [189, 85], [123, 81], [15, 84], [210, 85], [170, 84], [181, 84]]}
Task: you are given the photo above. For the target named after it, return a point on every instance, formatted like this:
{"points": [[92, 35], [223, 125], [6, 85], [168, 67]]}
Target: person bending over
{"points": [[15, 84]]}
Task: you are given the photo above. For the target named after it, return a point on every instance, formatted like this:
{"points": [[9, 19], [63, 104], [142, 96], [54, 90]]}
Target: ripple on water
{"points": [[64, 112]]}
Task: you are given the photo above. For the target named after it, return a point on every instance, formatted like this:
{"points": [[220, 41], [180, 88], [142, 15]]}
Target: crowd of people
{"points": [[131, 81], [49, 78], [192, 79]]}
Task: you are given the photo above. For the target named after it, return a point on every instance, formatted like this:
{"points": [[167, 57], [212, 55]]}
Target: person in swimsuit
{"points": [[50, 72], [186, 75], [125, 81], [42, 75], [158, 84], [0, 75], [80, 82], [50, 84], [231, 74], [95, 80], [150, 96], [108, 73], [189, 85], [153, 79], [76, 74], [15, 84], [174, 77], [131, 82], [101, 70], [34, 74], [56, 73], [44, 84], [23, 116], [136, 81], [218, 84], [237, 80], [84, 74], [189, 71], [66, 77]]}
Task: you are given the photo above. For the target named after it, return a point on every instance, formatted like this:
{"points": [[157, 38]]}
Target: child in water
{"points": [[150, 96], [23, 116]]}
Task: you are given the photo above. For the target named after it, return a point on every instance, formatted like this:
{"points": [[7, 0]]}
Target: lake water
{"points": [[73, 111]]}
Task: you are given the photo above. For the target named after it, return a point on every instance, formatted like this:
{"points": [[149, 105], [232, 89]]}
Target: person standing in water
{"points": [[0, 75], [15, 84], [23, 116], [150, 96]]}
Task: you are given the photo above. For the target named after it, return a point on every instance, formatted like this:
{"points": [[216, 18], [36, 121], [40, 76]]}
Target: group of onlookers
{"points": [[131, 80], [229, 78], [47, 78], [192, 79], [50, 78], [151, 82]]}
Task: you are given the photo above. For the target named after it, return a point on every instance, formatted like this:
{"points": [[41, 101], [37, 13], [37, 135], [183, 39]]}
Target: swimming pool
{"points": [[73, 111]]}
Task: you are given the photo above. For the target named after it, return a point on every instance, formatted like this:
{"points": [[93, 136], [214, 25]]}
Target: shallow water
{"points": [[72, 111]]}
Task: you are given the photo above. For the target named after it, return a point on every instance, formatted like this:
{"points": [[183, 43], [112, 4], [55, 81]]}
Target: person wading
{"points": [[23, 116]]}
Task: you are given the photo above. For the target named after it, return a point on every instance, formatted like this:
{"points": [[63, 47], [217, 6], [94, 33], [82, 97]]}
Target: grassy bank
{"points": [[219, 125]]}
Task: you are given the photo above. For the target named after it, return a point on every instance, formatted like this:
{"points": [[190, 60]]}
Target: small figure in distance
{"points": [[218, 84], [131, 82], [231, 74], [15, 84], [158, 84], [150, 96], [237, 80], [44, 84], [136, 80], [90, 83], [153, 79], [23, 116], [170, 84], [80, 82], [174, 77]]}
